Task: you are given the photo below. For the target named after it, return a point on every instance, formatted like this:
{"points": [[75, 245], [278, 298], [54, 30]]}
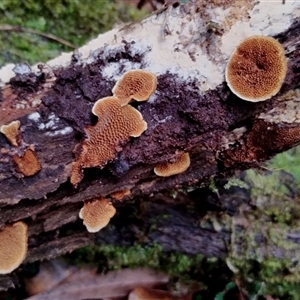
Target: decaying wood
{"points": [[192, 110]]}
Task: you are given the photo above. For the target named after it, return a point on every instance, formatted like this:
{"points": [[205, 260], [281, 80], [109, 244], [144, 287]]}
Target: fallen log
{"points": [[192, 110]]}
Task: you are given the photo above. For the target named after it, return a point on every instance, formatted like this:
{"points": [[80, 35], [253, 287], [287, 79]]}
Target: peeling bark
{"points": [[192, 110]]}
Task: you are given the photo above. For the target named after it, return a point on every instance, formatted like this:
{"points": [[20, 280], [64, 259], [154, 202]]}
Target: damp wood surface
{"points": [[222, 133]]}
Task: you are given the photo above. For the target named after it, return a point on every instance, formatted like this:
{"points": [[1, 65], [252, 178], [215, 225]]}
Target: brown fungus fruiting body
{"points": [[96, 214], [119, 195], [135, 84], [12, 132], [13, 246], [180, 165], [116, 124], [27, 164], [256, 69]]}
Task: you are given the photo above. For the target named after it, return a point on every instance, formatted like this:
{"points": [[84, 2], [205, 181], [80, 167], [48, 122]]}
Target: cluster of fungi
{"points": [[13, 238], [255, 72], [117, 122], [27, 163]]}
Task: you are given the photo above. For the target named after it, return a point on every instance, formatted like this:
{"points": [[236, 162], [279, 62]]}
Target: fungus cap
{"points": [[11, 131], [116, 124], [13, 246], [96, 214], [168, 169], [27, 164], [119, 195], [123, 121], [256, 69], [135, 84]]}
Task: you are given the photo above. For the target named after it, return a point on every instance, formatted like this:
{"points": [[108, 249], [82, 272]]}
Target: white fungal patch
{"points": [[152, 98], [286, 111], [63, 131], [54, 126], [178, 40], [116, 70], [180, 43], [6, 73], [34, 117], [22, 69], [111, 70], [231, 137], [266, 18], [53, 122]]}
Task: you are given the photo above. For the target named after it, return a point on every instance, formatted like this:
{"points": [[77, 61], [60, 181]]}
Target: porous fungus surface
{"points": [[180, 165], [115, 125], [13, 246], [96, 214], [135, 84], [27, 164], [257, 68], [263, 140], [11, 131]]}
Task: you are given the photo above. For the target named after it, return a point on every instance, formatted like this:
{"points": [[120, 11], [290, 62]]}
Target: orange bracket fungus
{"points": [[12, 133], [119, 195], [256, 69], [135, 84], [115, 125], [96, 214], [168, 169], [27, 164], [13, 246]]}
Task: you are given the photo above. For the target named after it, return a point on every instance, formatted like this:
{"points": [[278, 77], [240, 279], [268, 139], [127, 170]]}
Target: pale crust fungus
{"points": [[180, 165], [256, 69], [135, 84], [119, 195], [12, 133], [13, 246], [27, 164], [116, 124], [96, 214]]}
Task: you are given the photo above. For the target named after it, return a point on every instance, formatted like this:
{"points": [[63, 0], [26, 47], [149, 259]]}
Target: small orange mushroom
{"points": [[256, 69], [12, 132], [27, 164], [115, 125], [135, 84], [168, 169], [96, 214], [119, 195], [13, 246]]}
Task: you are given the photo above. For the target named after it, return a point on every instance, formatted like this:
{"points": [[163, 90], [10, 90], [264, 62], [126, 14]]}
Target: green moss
{"points": [[136, 256], [260, 229], [195, 270], [288, 161], [74, 21], [280, 280]]}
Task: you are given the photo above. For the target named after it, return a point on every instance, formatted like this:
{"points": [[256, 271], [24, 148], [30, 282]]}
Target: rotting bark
{"points": [[192, 110]]}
